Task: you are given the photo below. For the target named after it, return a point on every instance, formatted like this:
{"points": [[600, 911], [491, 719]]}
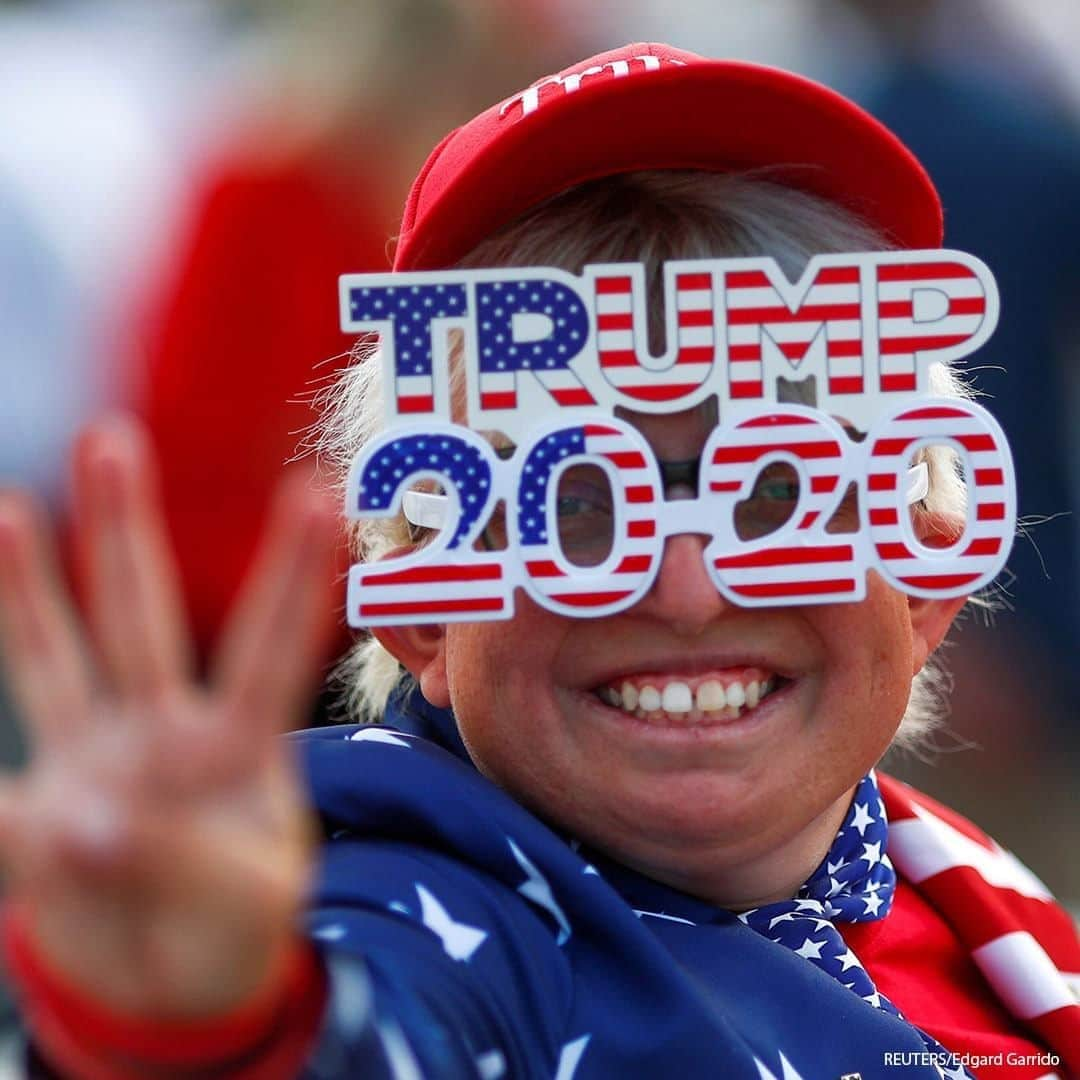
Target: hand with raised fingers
{"points": [[158, 845]]}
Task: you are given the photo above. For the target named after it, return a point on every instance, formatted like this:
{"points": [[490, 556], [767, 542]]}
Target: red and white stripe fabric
{"points": [[1024, 944], [621, 338]]}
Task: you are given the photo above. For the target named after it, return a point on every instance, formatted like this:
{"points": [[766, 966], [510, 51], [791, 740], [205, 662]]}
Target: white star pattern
{"points": [[570, 1057], [848, 960], [787, 1070], [661, 915], [873, 903], [537, 889], [561, 309], [871, 853], [862, 820], [459, 939], [810, 950], [379, 735], [786, 916], [409, 310]]}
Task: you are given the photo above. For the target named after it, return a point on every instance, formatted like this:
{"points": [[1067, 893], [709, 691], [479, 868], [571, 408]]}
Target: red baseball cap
{"points": [[650, 106]]}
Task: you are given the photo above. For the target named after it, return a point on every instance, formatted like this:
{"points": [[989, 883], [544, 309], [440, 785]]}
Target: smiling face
{"points": [[736, 802]]}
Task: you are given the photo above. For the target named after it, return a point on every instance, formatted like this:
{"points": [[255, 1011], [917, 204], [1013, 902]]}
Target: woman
{"points": [[650, 844]]}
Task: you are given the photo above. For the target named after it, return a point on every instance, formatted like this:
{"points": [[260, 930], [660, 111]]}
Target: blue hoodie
{"points": [[465, 937]]}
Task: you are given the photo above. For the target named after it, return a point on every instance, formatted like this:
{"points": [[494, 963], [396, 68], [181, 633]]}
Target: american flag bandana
{"points": [[855, 882]]}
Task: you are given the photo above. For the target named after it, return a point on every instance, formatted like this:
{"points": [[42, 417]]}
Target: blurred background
{"points": [[181, 183]]}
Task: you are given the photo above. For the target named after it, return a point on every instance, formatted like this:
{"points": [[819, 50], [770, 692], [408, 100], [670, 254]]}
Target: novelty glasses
{"points": [[585, 513]]}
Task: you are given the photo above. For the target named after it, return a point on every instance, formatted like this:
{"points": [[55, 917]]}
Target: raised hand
{"points": [[159, 842]]}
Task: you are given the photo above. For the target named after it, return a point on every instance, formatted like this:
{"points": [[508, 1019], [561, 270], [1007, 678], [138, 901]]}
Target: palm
{"points": [[159, 840]]}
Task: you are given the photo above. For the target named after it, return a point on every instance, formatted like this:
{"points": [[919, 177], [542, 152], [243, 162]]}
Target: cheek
{"points": [[485, 662], [891, 657], [474, 654], [870, 659], [501, 686]]}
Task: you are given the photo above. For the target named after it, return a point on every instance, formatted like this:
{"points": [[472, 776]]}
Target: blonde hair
{"points": [[651, 217]]}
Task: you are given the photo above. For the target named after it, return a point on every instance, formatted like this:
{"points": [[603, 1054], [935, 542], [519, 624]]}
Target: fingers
{"points": [[155, 911], [43, 651], [268, 664], [134, 602], [132, 901]]}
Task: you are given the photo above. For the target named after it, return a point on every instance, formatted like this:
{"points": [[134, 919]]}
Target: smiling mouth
{"points": [[669, 700]]}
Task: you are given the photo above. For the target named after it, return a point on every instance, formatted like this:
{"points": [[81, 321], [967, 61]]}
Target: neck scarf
{"points": [[855, 882]]}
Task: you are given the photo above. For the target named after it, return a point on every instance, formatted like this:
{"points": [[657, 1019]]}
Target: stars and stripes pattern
{"points": [[621, 338], [410, 310], [805, 563], [1024, 944], [604, 589], [980, 553], [464, 464], [904, 330], [432, 584], [756, 310], [974, 888], [855, 883], [502, 356]]}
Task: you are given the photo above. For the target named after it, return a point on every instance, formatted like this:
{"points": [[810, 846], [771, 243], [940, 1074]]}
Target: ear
{"points": [[931, 618], [930, 622], [422, 651]]}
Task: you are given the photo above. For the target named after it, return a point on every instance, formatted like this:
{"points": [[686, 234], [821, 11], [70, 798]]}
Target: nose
{"points": [[683, 595]]}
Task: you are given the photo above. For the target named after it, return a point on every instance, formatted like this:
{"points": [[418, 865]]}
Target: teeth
{"points": [[710, 696], [713, 700], [677, 698], [649, 699]]}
